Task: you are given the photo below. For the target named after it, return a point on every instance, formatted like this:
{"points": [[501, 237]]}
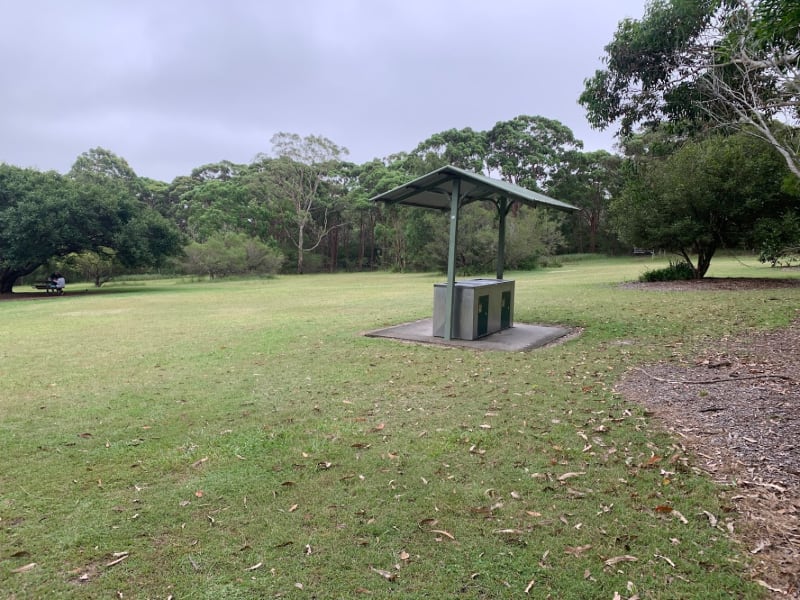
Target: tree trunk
{"points": [[9, 276], [333, 249], [704, 255], [362, 241], [300, 243], [7, 284]]}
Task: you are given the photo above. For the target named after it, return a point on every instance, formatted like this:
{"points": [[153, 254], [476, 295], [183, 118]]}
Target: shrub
{"points": [[231, 254], [676, 271]]}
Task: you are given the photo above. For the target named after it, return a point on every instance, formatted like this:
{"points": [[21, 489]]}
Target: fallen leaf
{"points": [[763, 583], [298, 585], [293, 508], [428, 522], [444, 533], [387, 575], [664, 558], [255, 566], [681, 518], [120, 557], [509, 531], [24, 568], [566, 476], [404, 555], [712, 520], [197, 463], [199, 493], [529, 586], [653, 460], [577, 550], [618, 559], [664, 509], [85, 435], [378, 427]]}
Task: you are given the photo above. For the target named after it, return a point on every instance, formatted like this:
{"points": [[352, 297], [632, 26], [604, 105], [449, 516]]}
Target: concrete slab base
{"points": [[518, 338]]}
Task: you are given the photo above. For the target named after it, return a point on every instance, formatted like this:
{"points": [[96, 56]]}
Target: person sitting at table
{"points": [[61, 283]]}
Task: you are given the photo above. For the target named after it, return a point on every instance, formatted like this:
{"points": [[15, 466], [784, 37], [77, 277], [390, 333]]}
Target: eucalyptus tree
{"points": [[463, 148], [734, 63], [525, 150], [529, 150], [300, 169], [590, 181]]}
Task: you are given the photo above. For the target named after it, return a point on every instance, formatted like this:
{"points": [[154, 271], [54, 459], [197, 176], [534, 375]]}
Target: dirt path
{"points": [[736, 408]]}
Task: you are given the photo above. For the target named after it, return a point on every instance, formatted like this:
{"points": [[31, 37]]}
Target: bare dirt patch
{"points": [[735, 407], [716, 284]]}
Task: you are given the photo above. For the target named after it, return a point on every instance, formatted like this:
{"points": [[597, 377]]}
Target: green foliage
{"points": [[778, 23], [700, 64], [44, 216], [98, 266], [526, 150], [589, 181], [676, 271], [708, 194], [531, 236], [778, 239], [529, 150], [303, 176], [224, 254]]}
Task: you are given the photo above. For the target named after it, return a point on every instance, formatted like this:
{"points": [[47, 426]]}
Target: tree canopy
{"points": [[707, 195], [48, 215], [701, 63]]}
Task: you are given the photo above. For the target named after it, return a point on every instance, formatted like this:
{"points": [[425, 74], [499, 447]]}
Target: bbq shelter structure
{"points": [[449, 189]]}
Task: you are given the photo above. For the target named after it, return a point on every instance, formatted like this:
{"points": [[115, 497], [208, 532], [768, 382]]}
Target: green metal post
{"points": [[502, 212], [449, 307]]}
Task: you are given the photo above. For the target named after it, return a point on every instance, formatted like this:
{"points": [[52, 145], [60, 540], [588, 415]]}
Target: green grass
{"points": [[209, 427]]}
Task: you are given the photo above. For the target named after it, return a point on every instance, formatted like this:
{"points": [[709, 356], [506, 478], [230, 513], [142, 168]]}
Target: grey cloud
{"points": [[173, 85]]}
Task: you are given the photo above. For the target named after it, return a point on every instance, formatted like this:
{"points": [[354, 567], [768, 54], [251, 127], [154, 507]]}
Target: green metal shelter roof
{"points": [[434, 191]]}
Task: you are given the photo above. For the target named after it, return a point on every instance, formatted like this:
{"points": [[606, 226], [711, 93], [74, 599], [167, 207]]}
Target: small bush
{"points": [[676, 271], [226, 254]]}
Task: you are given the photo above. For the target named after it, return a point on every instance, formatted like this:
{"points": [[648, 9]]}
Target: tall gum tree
{"points": [[301, 168], [700, 63]]}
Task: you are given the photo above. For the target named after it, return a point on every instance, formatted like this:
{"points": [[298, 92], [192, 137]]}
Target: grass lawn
{"points": [[241, 439]]}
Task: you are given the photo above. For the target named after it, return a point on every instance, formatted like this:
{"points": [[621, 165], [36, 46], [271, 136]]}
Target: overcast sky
{"points": [[170, 85]]}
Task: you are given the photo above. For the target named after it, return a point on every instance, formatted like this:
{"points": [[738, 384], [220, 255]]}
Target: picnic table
{"points": [[49, 287]]}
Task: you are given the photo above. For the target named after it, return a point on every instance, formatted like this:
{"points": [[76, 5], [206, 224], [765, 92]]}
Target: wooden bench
{"points": [[50, 288], [643, 251]]}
